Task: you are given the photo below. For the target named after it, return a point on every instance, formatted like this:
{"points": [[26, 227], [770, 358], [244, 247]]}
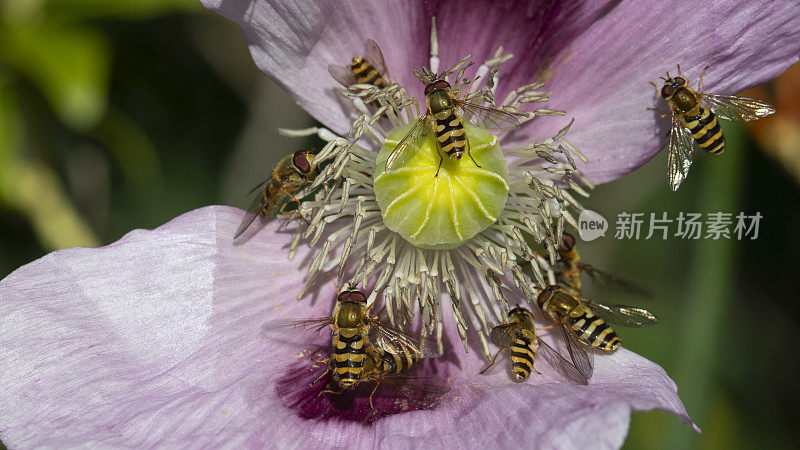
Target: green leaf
{"points": [[70, 65]]}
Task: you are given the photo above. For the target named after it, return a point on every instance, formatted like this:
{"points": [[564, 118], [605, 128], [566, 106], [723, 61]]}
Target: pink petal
{"points": [[294, 42], [156, 340], [604, 83], [612, 50]]}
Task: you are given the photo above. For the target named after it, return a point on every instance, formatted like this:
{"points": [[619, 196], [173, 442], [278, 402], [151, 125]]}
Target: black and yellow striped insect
{"points": [[585, 323], [369, 68], [517, 337], [569, 267], [444, 116], [292, 173], [353, 332], [391, 365], [694, 121]]}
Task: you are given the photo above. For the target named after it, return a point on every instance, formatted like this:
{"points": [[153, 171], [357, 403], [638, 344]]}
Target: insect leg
{"points": [[469, 87], [328, 369], [290, 195], [374, 390], [656, 88], [493, 361], [441, 159], [469, 153], [702, 85], [328, 391]]}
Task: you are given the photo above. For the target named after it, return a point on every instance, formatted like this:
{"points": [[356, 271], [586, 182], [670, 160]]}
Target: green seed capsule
{"points": [[442, 212]]}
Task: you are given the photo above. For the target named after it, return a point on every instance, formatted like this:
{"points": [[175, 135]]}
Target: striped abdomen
{"points": [[595, 331], [396, 362], [270, 198], [522, 354], [706, 131], [366, 73], [450, 135], [348, 356]]}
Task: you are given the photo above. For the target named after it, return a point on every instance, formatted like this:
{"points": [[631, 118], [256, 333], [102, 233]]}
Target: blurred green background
{"points": [[122, 115]]}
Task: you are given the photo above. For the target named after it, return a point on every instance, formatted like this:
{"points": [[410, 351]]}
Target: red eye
{"points": [[300, 162], [667, 90], [567, 243], [352, 296], [680, 81], [436, 85], [545, 295]]}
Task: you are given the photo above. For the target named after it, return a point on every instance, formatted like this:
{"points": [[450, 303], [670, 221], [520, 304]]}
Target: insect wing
{"points": [[740, 109], [581, 359], [373, 54], [614, 282], [561, 364], [253, 211], [487, 118], [503, 335], [294, 331], [679, 153], [391, 339], [629, 316], [342, 74], [408, 145]]}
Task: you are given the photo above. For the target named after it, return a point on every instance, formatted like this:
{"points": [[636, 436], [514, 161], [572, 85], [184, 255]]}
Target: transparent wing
{"points": [[503, 335], [487, 118], [740, 109], [389, 337], [342, 74], [561, 364], [580, 357], [421, 388], [373, 54], [679, 153], [614, 282], [405, 148], [253, 211], [294, 331], [629, 316], [257, 187]]}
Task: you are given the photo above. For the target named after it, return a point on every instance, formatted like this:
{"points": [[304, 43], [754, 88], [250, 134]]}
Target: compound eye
{"points": [[435, 86], [680, 81], [545, 295], [667, 90], [352, 296], [300, 162], [567, 243]]}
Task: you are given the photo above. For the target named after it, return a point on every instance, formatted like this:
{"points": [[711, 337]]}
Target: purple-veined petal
{"points": [[157, 340], [604, 81], [294, 42], [603, 55]]}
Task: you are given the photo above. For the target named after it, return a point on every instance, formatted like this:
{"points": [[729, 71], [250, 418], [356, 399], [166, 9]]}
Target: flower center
{"points": [[446, 210]]}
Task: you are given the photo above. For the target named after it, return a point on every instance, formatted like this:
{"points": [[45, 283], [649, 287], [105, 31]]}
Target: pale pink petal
{"points": [[604, 53], [294, 42], [157, 340], [604, 82]]}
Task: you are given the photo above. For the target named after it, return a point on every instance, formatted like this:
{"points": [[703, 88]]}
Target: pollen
{"points": [[444, 210]]}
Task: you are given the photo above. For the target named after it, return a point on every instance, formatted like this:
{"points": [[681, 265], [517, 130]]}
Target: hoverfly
{"points": [[584, 324], [569, 268], [289, 176], [353, 333], [517, 338], [369, 68], [694, 121], [391, 366], [442, 115]]}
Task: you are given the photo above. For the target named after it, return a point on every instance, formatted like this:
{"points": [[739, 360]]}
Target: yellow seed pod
{"points": [[442, 212]]}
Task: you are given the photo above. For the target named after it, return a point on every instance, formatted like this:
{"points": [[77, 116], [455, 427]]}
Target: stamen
{"points": [[360, 248]]}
